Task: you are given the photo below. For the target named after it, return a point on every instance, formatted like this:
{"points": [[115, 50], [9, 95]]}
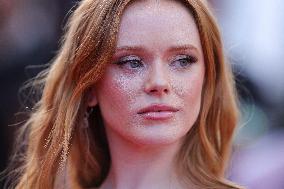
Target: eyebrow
{"points": [[183, 47], [130, 48], [170, 49], [186, 47]]}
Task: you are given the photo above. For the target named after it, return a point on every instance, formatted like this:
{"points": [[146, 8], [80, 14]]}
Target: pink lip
{"points": [[158, 112]]}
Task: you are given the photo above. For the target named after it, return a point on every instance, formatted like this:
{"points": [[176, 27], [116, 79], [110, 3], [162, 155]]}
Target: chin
{"points": [[152, 137]]}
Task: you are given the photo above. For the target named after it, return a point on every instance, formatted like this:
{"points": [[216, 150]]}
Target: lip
{"points": [[158, 112]]}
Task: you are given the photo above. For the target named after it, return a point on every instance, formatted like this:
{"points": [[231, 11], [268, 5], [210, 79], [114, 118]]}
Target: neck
{"points": [[137, 166]]}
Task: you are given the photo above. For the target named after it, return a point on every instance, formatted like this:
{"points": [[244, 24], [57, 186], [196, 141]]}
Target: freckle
{"points": [[132, 87], [179, 87], [125, 86]]}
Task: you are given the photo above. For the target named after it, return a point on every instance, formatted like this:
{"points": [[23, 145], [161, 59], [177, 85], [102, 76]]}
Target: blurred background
{"points": [[253, 33]]}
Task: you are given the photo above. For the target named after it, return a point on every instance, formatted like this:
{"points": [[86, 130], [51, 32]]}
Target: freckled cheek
{"points": [[122, 90], [188, 90], [187, 86]]}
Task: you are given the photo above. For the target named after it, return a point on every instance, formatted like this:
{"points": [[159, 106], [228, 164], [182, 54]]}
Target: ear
{"points": [[92, 98]]}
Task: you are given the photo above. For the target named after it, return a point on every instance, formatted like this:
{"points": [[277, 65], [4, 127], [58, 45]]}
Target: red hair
{"points": [[55, 136]]}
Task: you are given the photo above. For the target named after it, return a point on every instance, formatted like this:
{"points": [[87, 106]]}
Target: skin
{"points": [[158, 60]]}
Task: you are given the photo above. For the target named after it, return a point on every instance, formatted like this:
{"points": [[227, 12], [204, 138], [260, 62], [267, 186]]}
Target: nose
{"points": [[157, 82]]}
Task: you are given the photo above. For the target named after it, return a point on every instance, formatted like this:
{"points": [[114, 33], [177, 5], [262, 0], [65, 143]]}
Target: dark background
{"points": [[254, 43]]}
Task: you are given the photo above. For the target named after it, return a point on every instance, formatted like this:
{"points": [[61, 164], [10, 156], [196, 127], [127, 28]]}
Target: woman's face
{"points": [[151, 91]]}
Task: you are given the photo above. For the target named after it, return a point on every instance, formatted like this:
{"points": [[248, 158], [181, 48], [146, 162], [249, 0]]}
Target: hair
{"points": [[55, 145]]}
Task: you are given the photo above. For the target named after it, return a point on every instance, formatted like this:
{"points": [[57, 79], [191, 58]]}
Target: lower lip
{"points": [[158, 115]]}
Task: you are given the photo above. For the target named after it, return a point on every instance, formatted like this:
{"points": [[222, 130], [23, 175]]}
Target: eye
{"points": [[130, 62], [183, 61]]}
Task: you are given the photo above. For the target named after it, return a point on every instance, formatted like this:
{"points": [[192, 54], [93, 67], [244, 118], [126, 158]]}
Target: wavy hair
{"points": [[59, 149]]}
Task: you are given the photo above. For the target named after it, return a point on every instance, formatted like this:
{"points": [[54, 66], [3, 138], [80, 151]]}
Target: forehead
{"points": [[166, 21]]}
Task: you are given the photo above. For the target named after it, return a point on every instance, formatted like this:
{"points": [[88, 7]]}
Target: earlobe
{"points": [[92, 98]]}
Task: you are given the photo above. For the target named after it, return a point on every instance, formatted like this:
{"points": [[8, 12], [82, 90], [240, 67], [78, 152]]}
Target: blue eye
{"points": [[135, 63], [183, 61], [130, 62]]}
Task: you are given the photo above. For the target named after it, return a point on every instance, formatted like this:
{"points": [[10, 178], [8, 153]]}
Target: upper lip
{"points": [[157, 108]]}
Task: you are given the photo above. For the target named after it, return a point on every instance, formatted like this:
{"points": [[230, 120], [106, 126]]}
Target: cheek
{"points": [[114, 90], [189, 86], [188, 89], [111, 92]]}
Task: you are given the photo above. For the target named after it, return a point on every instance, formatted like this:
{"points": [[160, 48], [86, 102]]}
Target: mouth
{"points": [[158, 112]]}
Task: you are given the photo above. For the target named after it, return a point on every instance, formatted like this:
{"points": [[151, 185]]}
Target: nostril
{"points": [[153, 90], [159, 91]]}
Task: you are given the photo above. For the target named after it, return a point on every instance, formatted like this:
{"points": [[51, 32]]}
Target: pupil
{"points": [[134, 64], [183, 62]]}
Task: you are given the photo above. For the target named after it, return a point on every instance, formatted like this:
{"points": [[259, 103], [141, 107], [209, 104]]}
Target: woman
{"points": [[138, 96]]}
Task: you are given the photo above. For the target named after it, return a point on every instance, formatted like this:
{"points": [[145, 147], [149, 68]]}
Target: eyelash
{"points": [[130, 62], [134, 62], [181, 58]]}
